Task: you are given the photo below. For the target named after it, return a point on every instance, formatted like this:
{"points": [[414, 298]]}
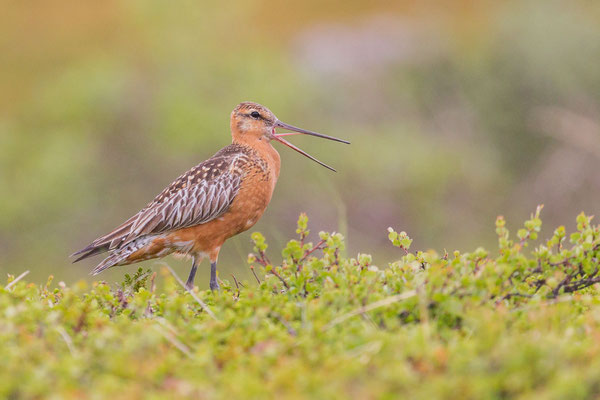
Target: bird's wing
{"points": [[200, 195]]}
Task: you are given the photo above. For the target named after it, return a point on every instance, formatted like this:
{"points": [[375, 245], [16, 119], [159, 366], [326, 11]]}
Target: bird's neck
{"points": [[264, 149]]}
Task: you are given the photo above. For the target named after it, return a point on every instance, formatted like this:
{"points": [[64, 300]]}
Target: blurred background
{"points": [[457, 111]]}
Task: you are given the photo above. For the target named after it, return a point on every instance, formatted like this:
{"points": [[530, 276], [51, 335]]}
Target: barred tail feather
{"points": [[110, 261], [121, 256], [107, 242], [118, 256], [89, 251]]}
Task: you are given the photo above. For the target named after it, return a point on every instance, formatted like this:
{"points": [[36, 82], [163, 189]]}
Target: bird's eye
{"points": [[255, 114]]}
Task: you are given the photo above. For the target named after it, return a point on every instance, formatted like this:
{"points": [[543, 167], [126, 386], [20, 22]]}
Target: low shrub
{"points": [[517, 323]]}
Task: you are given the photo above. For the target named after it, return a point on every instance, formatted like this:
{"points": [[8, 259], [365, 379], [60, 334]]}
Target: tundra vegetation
{"points": [[521, 321]]}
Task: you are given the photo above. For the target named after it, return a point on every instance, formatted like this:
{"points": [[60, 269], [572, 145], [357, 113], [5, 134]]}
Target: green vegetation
{"points": [[519, 323]]}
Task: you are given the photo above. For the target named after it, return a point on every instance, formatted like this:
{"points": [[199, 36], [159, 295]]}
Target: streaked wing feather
{"points": [[198, 196], [196, 203]]}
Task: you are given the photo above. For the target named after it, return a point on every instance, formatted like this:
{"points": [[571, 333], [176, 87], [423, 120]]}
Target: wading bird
{"points": [[217, 199]]}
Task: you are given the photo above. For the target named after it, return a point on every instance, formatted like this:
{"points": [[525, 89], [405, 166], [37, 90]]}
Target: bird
{"points": [[213, 201]]}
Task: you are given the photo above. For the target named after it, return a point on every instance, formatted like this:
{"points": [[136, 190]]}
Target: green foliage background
{"points": [[457, 112]]}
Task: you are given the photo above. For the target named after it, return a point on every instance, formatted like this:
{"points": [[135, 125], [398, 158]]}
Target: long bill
{"points": [[298, 131]]}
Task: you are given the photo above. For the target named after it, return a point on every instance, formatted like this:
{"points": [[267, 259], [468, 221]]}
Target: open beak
{"points": [[300, 131]]}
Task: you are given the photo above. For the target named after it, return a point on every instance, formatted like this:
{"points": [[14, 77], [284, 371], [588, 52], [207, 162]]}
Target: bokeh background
{"points": [[457, 111]]}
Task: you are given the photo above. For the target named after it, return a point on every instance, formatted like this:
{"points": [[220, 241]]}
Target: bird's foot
{"points": [[189, 285], [214, 285]]}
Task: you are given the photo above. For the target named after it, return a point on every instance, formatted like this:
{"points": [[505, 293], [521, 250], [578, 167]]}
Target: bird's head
{"points": [[252, 122]]}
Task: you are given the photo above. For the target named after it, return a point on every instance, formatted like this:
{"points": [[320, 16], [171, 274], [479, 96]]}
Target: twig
{"points": [[312, 250], [562, 283], [280, 278], [182, 347], [237, 285], [67, 339], [510, 295], [152, 285], [254, 273], [262, 258], [17, 279], [202, 304], [372, 306], [580, 284], [167, 325], [336, 254], [287, 325]]}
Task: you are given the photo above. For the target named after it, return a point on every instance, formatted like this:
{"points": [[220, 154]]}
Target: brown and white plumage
{"points": [[198, 196], [211, 202]]}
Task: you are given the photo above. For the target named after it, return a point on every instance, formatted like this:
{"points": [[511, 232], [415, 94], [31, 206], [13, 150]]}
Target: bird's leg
{"points": [[214, 285], [190, 282]]}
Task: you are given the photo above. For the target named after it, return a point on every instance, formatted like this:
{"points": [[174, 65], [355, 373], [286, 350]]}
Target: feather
{"points": [[198, 196]]}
